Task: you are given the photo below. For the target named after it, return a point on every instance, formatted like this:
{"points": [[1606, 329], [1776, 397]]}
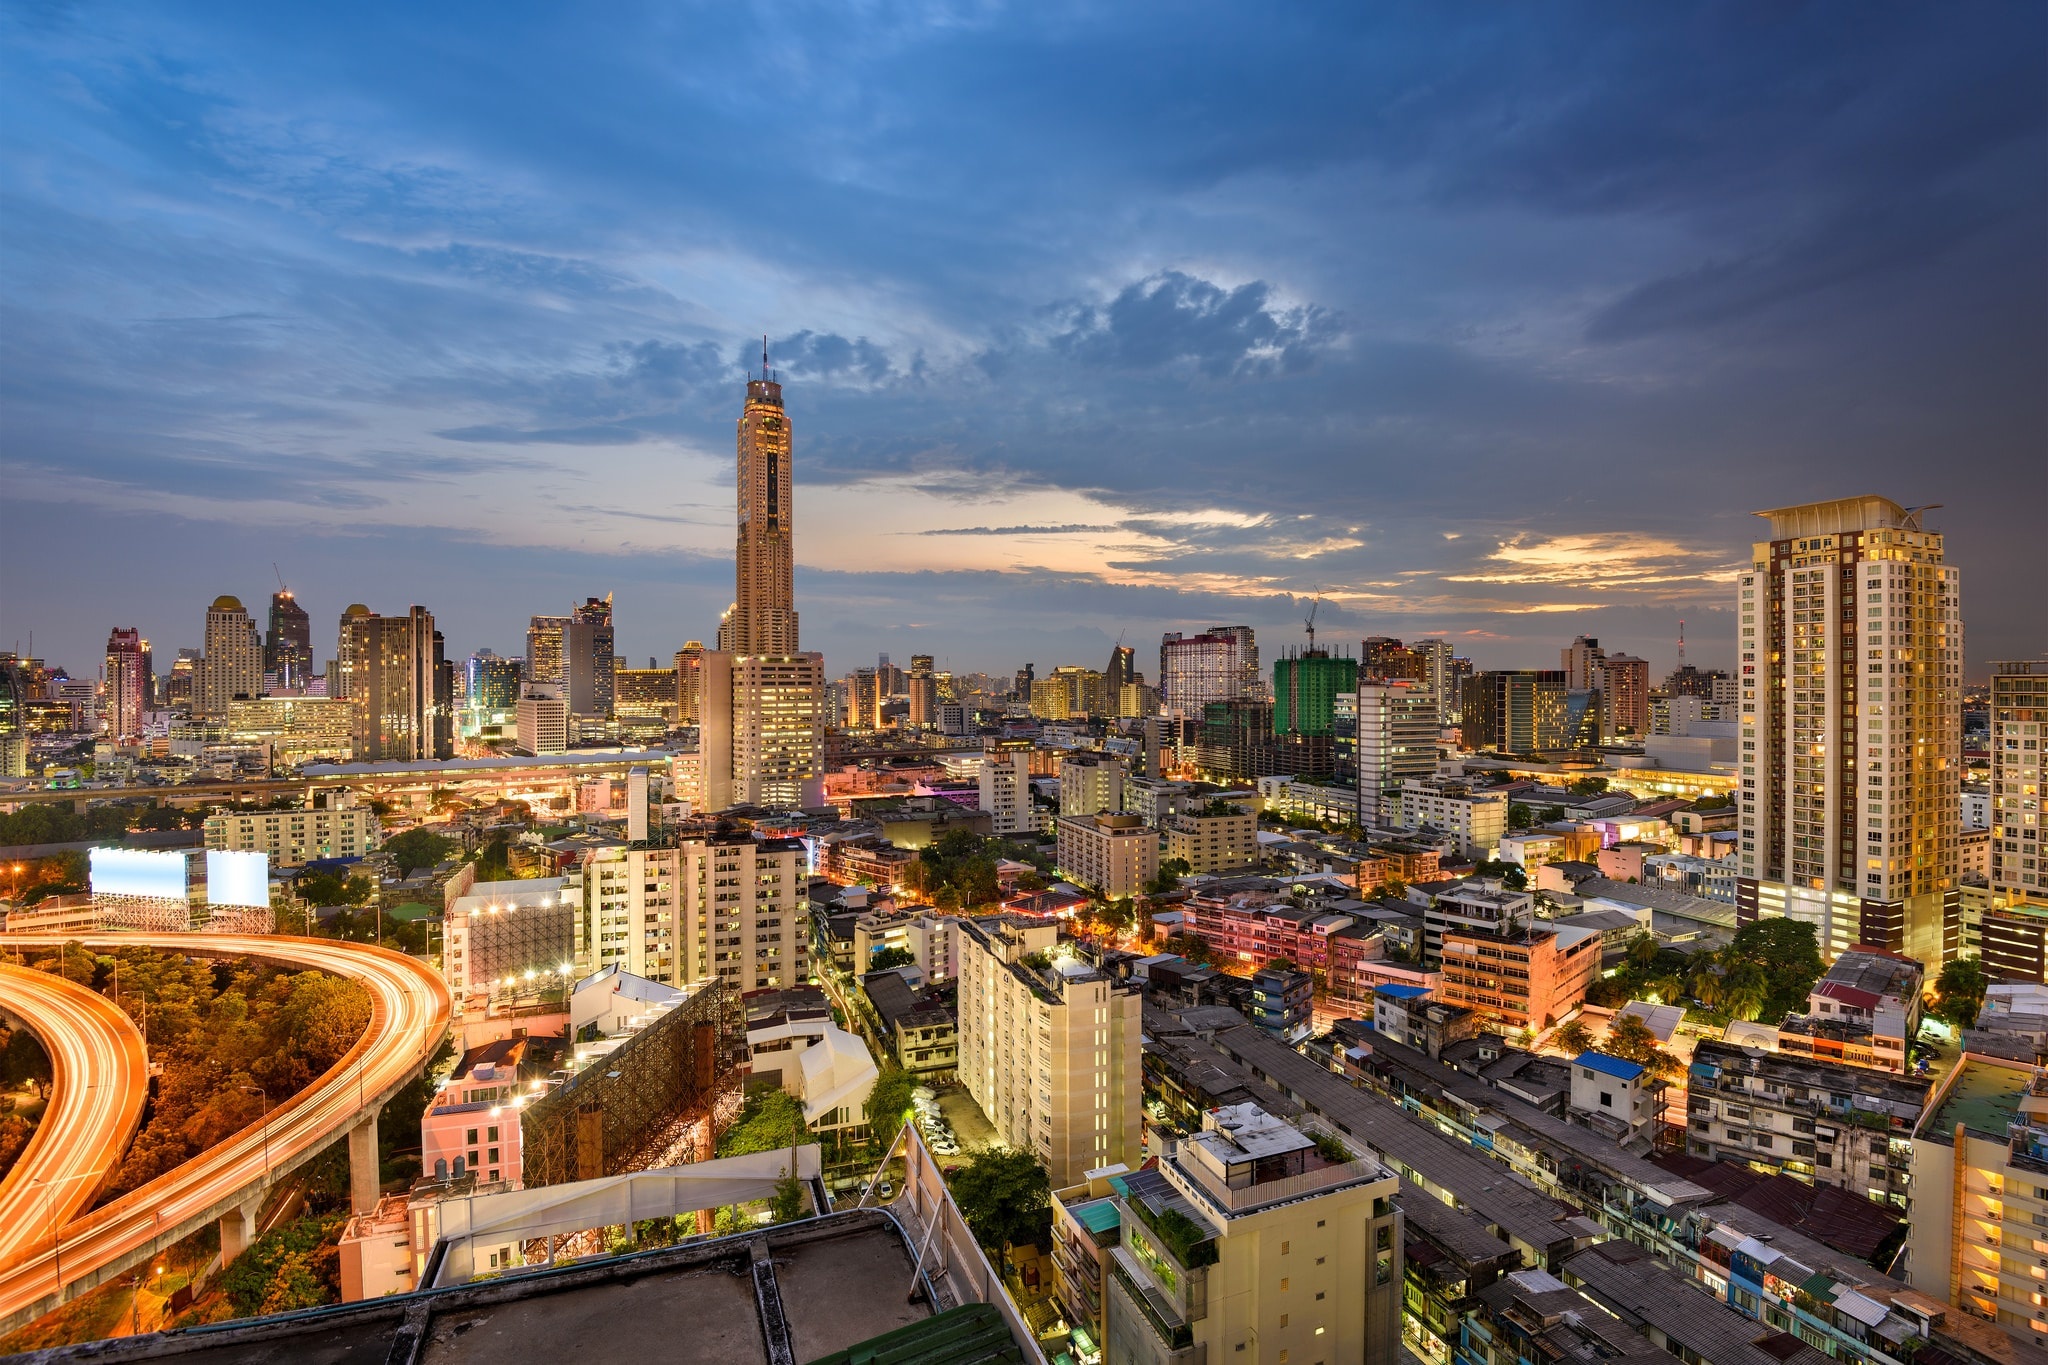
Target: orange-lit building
{"points": [[1530, 979]]}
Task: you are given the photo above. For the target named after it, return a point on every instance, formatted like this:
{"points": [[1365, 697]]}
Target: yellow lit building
{"points": [[1114, 854]]}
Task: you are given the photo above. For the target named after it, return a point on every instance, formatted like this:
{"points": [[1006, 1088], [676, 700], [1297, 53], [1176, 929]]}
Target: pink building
{"points": [[474, 1121]]}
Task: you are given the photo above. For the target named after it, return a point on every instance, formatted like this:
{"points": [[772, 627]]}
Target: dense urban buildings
{"points": [[1851, 656]]}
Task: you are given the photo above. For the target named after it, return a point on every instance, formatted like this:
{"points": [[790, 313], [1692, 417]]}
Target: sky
{"points": [[1492, 323]]}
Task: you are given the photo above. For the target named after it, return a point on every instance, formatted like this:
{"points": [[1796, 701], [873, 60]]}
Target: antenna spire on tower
{"points": [[764, 356]]}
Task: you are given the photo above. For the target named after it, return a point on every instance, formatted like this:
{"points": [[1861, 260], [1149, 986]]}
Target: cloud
{"points": [[1174, 318], [1071, 528], [1600, 560]]}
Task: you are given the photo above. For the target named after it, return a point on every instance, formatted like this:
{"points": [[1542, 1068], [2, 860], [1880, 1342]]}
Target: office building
{"points": [[297, 729], [490, 691], [689, 681], [1624, 686], [543, 719], [2019, 735], [1256, 1239], [341, 669], [644, 695], [763, 617], [864, 698], [1851, 655], [14, 691], [1306, 686], [1049, 1047], [232, 665], [922, 686], [588, 661], [544, 650], [762, 729], [1396, 724], [288, 649], [1114, 854], [1515, 711], [1219, 664], [729, 907], [396, 688], [1091, 784], [127, 684]]}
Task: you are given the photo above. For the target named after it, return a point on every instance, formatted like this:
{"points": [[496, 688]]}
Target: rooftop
{"points": [[1616, 1067], [1984, 1097]]}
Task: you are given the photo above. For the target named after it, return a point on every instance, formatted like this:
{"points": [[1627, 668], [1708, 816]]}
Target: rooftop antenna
{"points": [[1681, 644], [1314, 603], [764, 355]]}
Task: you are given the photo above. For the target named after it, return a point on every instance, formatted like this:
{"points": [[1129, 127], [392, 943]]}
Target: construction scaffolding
{"points": [[635, 1105]]}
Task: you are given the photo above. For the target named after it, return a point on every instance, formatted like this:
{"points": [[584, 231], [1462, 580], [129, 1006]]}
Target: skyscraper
{"points": [[2019, 733], [1118, 673], [288, 652], [232, 665], [1305, 690], [761, 703], [1220, 664], [1624, 683], [1438, 678], [400, 688], [127, 695], [763, 619], [588, 660], [1396, 725], [1851, 643], [1581, 661], [689, 681], [544, 649]]}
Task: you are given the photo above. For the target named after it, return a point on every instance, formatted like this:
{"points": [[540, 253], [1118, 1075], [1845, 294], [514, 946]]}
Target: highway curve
{"points": [[409, 1013], [100, 1077]]}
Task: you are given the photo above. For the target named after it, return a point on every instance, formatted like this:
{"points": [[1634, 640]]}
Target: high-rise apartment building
{"points": [[864, 699], [1385, 657], [1220, 664], [14, 693], [1624, 684], [729, 907], [1516, 710], [588, 661], [341, 669], [762, 729], [400, 689], [923, 688], [1049, 1047], [2019, 734], [1005, 780], [1581, 661], [1851, 643], [763, 618], [232, 665], [1091, 784], [127, 684], [288, 650], [1438, 675], [1396, 742]]}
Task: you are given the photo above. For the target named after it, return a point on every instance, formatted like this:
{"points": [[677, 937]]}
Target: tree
{"points": [[1170, 873], [24, 1063], [787, 1203], [1511, 875], [1552, 814], [882, 959], [1519, 815], [1642, 950], [1784, 954], [887, 1103], [415, 849], [1005, 1197], [1629, 1038], [1195, 950], [1959, 992], [769, 1119], [1573, 1038], [1587, 786]]}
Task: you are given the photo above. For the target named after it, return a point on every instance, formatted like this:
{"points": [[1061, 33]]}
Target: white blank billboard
{"points": [[237, 878], [138, 872]]}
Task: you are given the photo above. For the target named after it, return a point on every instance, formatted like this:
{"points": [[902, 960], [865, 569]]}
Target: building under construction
{"points": [[634, 1104]]}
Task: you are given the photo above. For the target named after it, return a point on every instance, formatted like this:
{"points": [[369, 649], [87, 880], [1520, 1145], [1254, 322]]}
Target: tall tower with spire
{"points": [[763, 615]]}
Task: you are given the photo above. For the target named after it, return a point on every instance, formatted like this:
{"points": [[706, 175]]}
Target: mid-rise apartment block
{"points": [[762, 728], [337, 829], [1526, 978], [2019, 734], [729, 907], [1477, 904], [1851, 643], [1255, 1239], [1114, 854], [1091, 784], [1005, 781], [1049, 1047], [1396, 743], [1475, 817], [1826, 1123], [1215, 837]]}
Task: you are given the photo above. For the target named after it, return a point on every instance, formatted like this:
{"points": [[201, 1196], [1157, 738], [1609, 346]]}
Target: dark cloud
{"points": [[1174, 317], [823, 355]]}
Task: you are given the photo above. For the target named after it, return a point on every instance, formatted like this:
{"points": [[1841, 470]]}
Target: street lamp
{"points": [[259, 1090]]}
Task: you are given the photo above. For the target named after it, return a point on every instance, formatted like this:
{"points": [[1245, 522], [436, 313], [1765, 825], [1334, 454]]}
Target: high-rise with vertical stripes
{"points": [[1851, 655], [762, 619]]}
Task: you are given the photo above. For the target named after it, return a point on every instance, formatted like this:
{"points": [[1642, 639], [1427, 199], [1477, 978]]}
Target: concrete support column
{"points": [[238, 1229], [362, 1164]]}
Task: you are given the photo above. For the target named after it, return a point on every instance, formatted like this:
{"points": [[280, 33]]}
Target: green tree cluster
{"points": [[1168, 878], [1959, 992], [23, 1063], [417, 849], [1512, 875], [220, 1030], [887, 1103], [769, 1119], [957, 871], [296, 1265], [1005, 1198], [1630, 1039], [882, 959]]}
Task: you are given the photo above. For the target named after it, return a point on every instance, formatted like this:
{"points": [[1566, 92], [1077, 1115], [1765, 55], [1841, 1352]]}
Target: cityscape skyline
{"points": [[1148, 381]]}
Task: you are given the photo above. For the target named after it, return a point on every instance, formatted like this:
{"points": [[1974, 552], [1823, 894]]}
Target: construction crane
{"points": [[1314, 603]]}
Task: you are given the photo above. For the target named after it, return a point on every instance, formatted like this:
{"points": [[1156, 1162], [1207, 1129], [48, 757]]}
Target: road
{"points": [[409, 1013], [99, 1075]]}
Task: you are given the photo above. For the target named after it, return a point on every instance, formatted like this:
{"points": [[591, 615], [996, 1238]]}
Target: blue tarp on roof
{"points": [[1399, 991]]}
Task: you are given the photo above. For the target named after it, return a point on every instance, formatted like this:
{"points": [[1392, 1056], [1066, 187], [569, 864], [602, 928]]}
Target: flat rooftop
{"points": [[1984, 1097], [799, 1291]]}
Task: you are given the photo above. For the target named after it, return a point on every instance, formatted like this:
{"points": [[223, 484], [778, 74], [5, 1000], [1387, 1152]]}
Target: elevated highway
{"points": [[409, 1014], [99, 1079]]}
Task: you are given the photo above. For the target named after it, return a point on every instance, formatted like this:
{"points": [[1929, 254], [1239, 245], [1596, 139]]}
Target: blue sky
{"points": [[1095, 320]]}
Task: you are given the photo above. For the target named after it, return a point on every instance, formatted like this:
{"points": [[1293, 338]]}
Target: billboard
{"points": [[137, 872], [237, 878]]}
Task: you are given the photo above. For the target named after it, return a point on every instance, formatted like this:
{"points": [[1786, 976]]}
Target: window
{"points": [[1284, 1247], [1283, 1284], [471, 1139]]}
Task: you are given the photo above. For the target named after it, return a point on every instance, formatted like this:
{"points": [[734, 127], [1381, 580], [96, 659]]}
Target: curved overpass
{"points": [[99, 1078], [409, 1013]]}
